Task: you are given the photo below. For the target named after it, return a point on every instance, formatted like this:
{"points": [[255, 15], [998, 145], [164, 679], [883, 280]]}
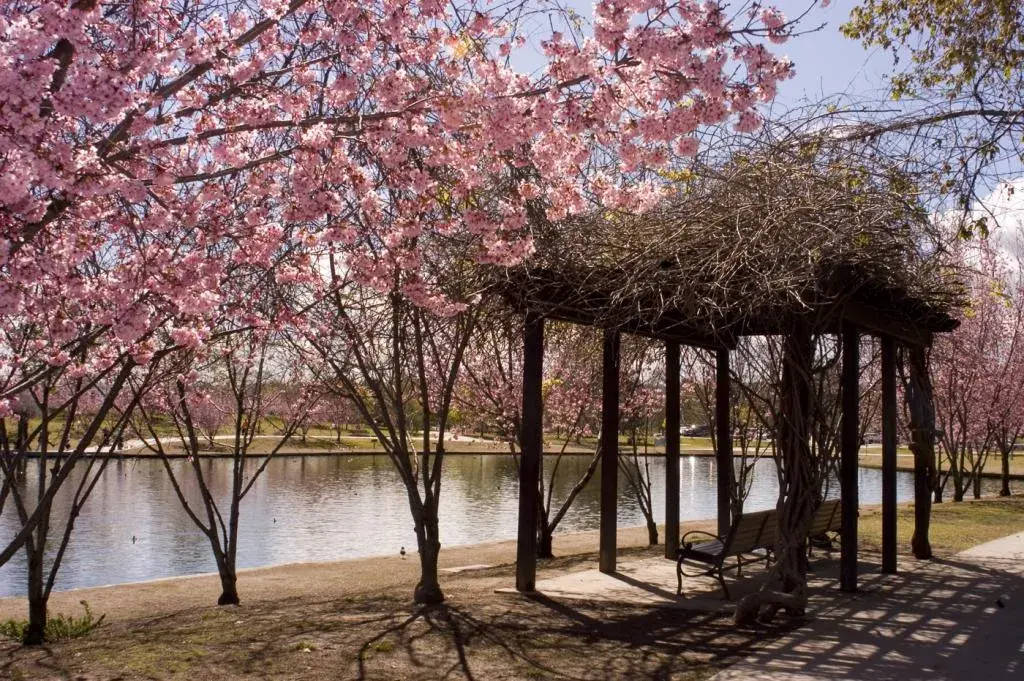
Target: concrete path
{"points": [[648, 581], [947, 620]]}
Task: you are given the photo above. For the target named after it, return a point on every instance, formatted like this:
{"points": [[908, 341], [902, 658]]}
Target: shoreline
{"points": [[337, 579], [866, 460], [345, 578]]}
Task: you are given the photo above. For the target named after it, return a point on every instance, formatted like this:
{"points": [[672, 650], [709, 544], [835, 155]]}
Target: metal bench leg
{"points": [[721, 580]]}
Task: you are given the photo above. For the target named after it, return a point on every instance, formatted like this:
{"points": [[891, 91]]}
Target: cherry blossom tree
{"points": [[147, 145], [154, 150], [282, 400], [641, 412], [398, 363], [978, 373], [340, 413], [213, 412], [54, 403], [491, 388], [248, 366]]}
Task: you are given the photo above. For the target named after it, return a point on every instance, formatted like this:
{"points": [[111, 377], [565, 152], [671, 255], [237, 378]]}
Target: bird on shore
{"points": [[401, 552]]}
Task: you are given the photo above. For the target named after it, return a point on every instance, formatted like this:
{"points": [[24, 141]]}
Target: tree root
{"points": [[752, 608]]}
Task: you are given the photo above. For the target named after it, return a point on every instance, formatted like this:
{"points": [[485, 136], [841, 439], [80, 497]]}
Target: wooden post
{"points": [[850, 448], [531, 441], [723, 441], [888, 455], [671, 450], [609, 450]]}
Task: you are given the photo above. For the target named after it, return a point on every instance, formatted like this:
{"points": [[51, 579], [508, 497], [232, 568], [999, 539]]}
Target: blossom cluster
{"points": [[164, 165]]}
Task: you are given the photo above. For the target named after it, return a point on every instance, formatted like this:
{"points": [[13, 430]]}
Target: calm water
{"points": [[326, 508]]}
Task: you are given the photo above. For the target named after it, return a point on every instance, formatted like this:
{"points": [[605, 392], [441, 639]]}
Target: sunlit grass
{"points": [[954, 526]]}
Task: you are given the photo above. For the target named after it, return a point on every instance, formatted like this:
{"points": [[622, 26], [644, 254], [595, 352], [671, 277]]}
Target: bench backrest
{"points": [[751, 531], [828, 518]]}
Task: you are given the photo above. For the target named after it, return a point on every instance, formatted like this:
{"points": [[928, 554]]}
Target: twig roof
{"points": [[748, 248]]}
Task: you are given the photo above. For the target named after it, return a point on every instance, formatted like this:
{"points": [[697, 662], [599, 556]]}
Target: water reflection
{"points": [[331, 507]]}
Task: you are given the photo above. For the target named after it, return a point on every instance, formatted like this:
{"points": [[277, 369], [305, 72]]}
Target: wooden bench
{"points": [[826, 524], [750, 533]]}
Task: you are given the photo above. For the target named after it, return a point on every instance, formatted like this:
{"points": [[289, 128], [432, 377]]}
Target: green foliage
{"points": [[960, 46], [383, 646], [58, 628]]}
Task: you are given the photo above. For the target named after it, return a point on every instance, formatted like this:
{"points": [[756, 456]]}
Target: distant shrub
{"points": [[59, 627]]}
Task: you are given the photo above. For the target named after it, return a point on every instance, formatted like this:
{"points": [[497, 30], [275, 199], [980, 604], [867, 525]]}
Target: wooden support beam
{"points": [[671, 450], [888, 455], [723, 441], [879, 324], [850, 448], [609, 450], [532, 443]]}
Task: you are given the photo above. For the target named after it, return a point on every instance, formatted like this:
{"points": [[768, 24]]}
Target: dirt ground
{"points": [[354, 620], [476, 635]]}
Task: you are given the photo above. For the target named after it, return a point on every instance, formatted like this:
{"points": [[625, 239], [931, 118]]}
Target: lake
{"points": [[324, 508]]}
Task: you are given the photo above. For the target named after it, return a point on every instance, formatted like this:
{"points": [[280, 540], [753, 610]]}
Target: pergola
{"points": [[751, 251]]}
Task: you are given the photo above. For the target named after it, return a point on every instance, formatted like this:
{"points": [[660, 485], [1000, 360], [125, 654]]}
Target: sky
{"points": [[828, 64]]}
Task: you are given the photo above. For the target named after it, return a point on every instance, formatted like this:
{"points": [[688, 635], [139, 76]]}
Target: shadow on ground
{"points": [[944, 619], [938, 620]]}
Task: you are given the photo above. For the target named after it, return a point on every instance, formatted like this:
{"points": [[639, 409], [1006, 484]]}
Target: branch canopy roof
{"points": [[749, 248]]}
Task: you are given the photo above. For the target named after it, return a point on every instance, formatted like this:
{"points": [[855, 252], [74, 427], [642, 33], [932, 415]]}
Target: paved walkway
{"points": [[946, 620]]}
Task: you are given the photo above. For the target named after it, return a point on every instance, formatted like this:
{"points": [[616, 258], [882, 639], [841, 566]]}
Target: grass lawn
{"points": [[871, 456], [318, 442], [954, 526]]}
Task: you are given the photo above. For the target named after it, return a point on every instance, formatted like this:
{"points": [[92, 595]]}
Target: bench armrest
{"points": [[689, 544]]}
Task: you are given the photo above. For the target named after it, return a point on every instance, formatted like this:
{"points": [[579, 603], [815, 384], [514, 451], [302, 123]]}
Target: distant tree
{"points": [[978, 371], [641, 410], [491, 389], [212, 413], [753, 376], [62, 462], [340, 413], [251, 364], [959, 72]]}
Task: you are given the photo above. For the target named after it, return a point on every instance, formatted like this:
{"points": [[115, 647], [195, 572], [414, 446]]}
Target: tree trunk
{"points": [[922, 444], [976, 485], [544, 541], [1004, 491], [229, 588], [652, 532], [35, 634], [428, 590], [545, 529], [35, 549], [786, 582]]}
